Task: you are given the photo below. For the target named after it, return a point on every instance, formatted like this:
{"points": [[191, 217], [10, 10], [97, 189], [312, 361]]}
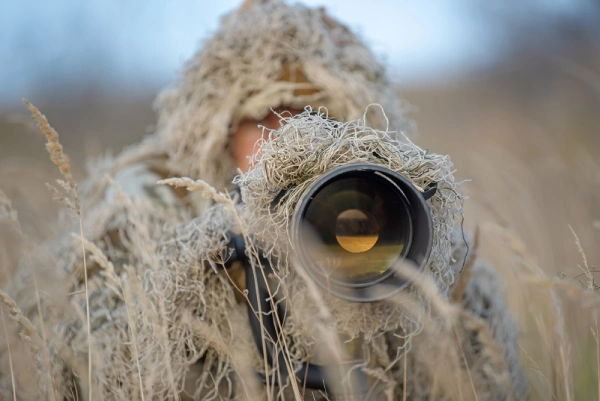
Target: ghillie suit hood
{"points": [[266, 55]]}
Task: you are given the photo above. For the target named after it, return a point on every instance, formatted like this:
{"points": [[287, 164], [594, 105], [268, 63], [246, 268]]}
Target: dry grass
{"points": [[558, 315], [10, 364], [70, 198]]}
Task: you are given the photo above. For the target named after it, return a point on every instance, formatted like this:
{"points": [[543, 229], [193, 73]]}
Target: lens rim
{"points": [[388, 282]]}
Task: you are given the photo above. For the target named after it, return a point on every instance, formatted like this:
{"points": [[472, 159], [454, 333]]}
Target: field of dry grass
{"points": [[525, 134], [527, 137]]}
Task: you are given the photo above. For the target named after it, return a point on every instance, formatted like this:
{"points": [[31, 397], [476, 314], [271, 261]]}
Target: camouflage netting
{"points": [[311, 144], [166, 321]]}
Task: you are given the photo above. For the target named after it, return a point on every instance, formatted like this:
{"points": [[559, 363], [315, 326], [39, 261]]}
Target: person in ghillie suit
{"points": [[168, 320]]}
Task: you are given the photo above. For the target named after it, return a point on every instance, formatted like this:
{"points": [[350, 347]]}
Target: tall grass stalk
{"points": [[70, 198], [12, 371]]}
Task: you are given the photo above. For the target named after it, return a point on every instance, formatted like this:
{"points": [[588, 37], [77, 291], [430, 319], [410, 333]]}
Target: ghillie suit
{"points": [[166, 319]]}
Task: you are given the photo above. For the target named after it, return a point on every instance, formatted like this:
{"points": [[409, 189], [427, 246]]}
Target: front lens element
{"points": [[355, 228]]}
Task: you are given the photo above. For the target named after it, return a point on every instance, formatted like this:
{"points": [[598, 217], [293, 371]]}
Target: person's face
{"points": [[248, 133]]}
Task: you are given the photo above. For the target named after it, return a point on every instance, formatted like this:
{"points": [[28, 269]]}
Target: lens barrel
{"points": [[355, 225]]}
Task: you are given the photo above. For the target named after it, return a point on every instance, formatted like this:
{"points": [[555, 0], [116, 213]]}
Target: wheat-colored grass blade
{"points": [[10, 364]]}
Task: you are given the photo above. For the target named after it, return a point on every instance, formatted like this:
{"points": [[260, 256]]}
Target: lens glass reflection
{"points": [[355, 228]]}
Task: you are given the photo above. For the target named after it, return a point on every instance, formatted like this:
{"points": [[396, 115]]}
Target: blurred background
{"points": [[511, 90]]}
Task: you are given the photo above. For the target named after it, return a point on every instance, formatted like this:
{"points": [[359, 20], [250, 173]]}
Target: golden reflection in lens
{"points": [[356, 231]]}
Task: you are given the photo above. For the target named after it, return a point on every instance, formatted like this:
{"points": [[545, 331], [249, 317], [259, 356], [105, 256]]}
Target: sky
{"points": [[141, 45]]}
